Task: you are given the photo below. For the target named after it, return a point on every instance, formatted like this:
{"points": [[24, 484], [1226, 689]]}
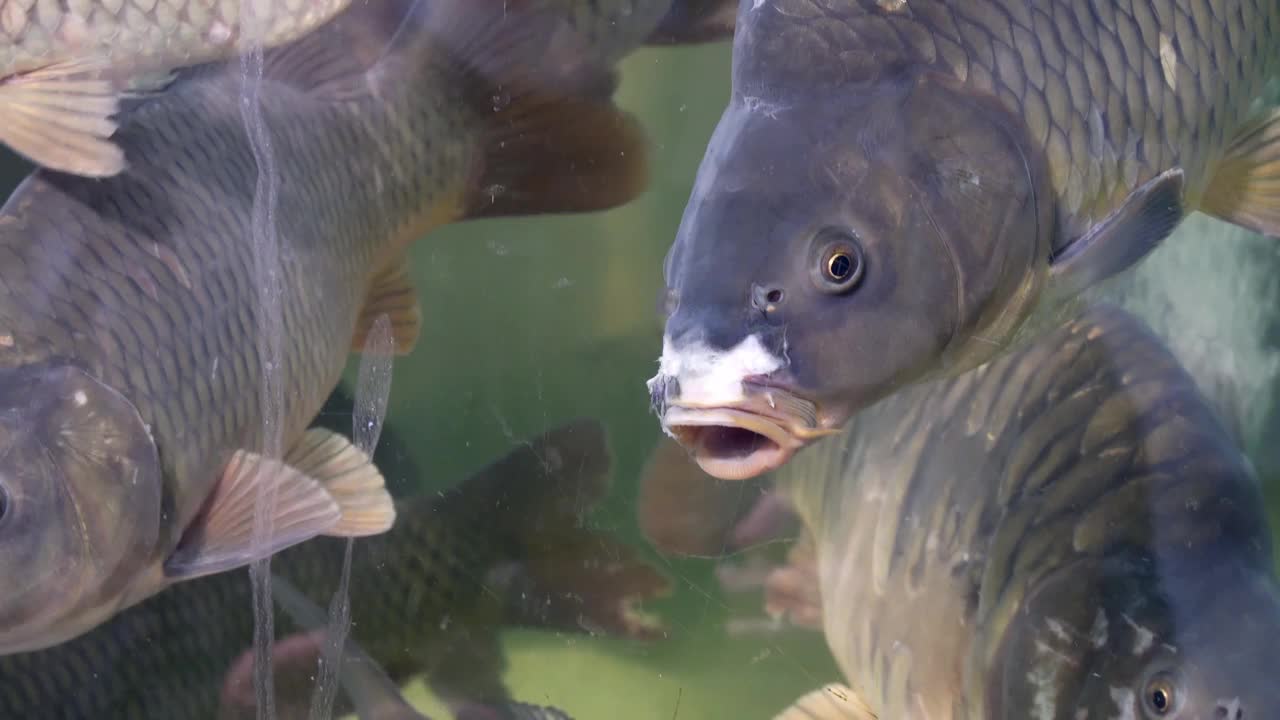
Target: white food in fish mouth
{"points": [[711, 376]]}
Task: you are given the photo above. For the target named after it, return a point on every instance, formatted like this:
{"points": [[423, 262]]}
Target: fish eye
{"points": [[4, 502], [840, 262], [1160, 697]]}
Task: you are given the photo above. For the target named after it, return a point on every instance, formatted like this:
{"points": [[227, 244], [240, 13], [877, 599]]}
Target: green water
{"points": [[531, 322]]}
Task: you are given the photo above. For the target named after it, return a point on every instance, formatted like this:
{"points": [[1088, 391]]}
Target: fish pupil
{"points": [[840, 266]]}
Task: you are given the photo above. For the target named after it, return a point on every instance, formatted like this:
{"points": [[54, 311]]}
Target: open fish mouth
{"points": [[740, 440]]}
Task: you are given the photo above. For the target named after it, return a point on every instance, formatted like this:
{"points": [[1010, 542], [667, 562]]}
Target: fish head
{"points": [[79, 503], [1199, 645], [836, 248], [1216, 660]]}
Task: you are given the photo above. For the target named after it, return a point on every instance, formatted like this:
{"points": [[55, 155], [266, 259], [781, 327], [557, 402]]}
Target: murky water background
{"points": [[528, 323], [531, 322]]}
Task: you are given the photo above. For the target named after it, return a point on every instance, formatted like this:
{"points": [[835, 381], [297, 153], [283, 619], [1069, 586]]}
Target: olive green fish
{"points": [[901, 190], [506, 547], [65, 67], [1067, 532], [131, 381]]}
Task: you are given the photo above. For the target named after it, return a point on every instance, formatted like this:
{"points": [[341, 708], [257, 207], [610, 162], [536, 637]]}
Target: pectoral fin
{"points": [[392, 294], [60, 117], [1149, 215], [326, 486], [1246, 187], [350, 477], [830, 702]]}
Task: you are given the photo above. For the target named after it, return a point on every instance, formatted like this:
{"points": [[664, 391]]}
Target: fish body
{"points": [[65, 68], [902, 191], [1065, 532], [133, 335], [427, 598]]}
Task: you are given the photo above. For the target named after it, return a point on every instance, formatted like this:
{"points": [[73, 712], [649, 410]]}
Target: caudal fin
{"points": [[1246, 187]]}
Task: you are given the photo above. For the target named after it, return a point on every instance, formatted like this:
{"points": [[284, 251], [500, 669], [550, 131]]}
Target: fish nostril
{"points": [[766, 299]]}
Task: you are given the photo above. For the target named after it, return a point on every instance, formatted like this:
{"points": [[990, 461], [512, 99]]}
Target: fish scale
{"points": [[146, 283], [1066, 65], [111, 27], [1149, 467], [978, 167], [65, 65]]}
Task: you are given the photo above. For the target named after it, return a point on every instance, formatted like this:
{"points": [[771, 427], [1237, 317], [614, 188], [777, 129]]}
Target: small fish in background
{"points": [[372, 692], [505, 548], [902, 191], [561, 576], [1065, 532], [130, 379]]}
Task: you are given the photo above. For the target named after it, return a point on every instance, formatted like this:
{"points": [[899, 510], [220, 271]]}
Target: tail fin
{"points": [[563, 574]]}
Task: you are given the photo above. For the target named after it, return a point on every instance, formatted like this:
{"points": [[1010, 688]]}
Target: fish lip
{"points": [[781, 421]]}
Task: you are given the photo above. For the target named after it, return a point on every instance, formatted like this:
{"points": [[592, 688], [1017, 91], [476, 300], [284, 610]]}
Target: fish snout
{"points": [[733, 409], [740, 439]]}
